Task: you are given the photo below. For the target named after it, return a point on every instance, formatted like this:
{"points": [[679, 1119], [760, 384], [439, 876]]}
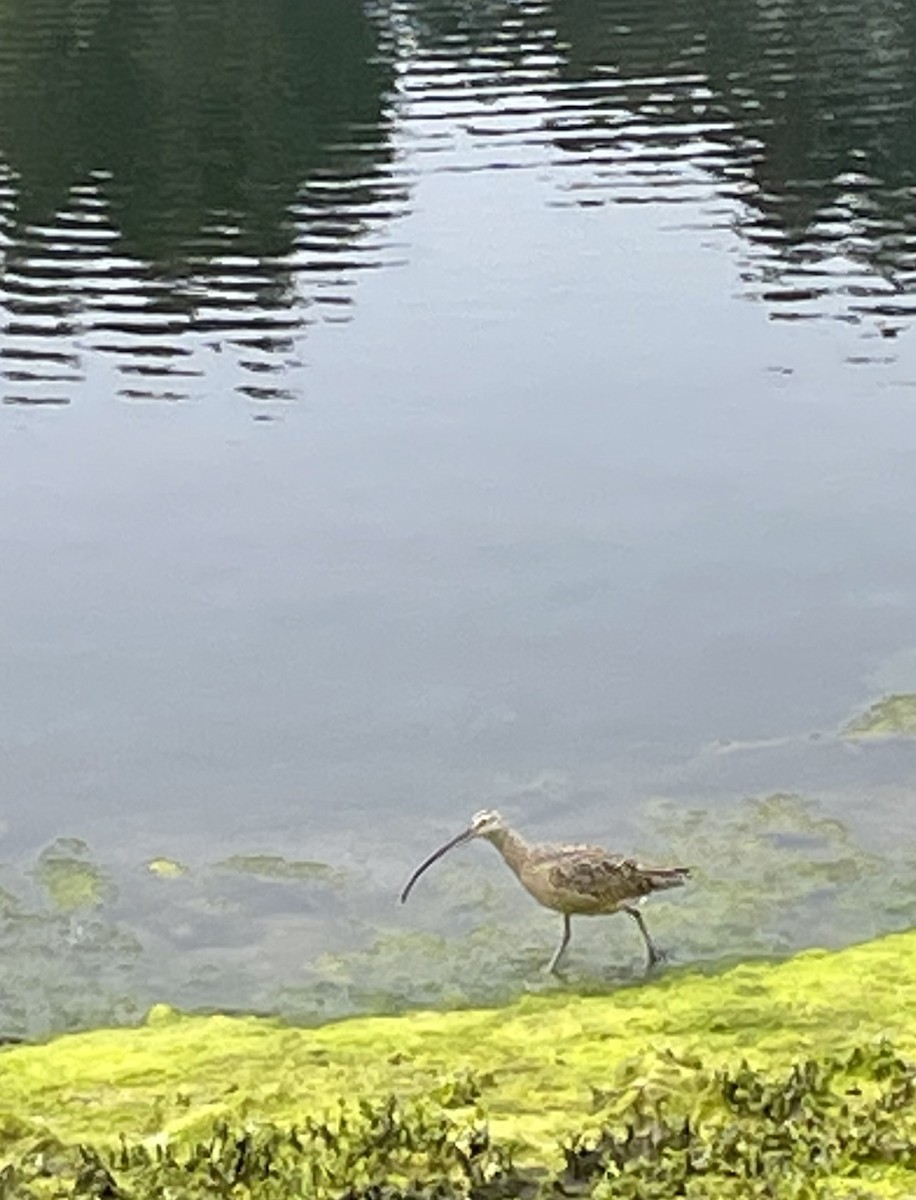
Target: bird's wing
{"points": [[593, 872]]}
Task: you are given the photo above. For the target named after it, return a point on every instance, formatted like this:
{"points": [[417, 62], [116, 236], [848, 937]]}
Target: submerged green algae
{"points": [[276, 867], [70, 878], [894, 714], [772, 875]]}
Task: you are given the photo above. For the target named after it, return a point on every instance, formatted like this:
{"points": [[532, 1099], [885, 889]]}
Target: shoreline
{"points": [[544, 1071]]}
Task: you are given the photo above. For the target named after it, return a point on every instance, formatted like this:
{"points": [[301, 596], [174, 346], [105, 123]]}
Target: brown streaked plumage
{"points": [[572, 880]]}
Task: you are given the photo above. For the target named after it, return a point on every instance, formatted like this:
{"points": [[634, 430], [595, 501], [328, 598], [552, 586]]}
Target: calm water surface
{"points": [[417, 406]]}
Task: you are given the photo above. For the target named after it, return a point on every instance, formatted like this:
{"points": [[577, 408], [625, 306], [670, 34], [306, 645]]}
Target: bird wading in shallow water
{"points": [[577, 881]]}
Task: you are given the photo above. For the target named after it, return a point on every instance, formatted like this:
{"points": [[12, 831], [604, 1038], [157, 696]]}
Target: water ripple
{"points": [[701, 105], [201, 219], [195, 220]]}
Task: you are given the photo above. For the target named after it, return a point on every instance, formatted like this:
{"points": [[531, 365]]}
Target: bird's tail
{"points": [[661, 878]]}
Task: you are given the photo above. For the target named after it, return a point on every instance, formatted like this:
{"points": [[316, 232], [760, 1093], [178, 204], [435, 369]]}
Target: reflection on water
{"points": [[792, 123], [183, 179], [176, 181]]}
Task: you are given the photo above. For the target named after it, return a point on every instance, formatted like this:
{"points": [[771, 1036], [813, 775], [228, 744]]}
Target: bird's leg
{"points": [[564, 942], [655, 955]]}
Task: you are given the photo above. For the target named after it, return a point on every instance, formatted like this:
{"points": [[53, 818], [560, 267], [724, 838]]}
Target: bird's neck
{"points": [[511, 845]]}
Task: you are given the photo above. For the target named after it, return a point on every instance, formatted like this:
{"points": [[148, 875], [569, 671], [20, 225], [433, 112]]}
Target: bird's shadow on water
{"points": [[584, 980], [579, 983], [620, 978]]}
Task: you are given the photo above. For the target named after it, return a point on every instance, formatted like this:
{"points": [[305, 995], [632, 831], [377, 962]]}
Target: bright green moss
{"points": [[166, 868], [830, 1126]]}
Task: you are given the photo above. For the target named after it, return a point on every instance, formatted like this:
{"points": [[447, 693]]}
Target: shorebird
{"points": [[576, 881]]}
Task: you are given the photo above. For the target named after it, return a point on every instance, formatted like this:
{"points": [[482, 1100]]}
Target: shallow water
{"points": [[422, 406]]}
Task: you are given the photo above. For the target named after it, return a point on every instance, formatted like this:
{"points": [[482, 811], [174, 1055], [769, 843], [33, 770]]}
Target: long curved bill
{"points": [[434, 857]]}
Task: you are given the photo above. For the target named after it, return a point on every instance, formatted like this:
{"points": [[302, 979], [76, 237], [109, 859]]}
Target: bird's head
{"points": [[485, 823]]}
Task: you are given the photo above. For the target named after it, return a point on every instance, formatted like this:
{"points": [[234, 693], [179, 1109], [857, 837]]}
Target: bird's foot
{"points": [[542, 985], [656, 958]]}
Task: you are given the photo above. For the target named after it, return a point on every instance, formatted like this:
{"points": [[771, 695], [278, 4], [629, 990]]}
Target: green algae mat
{"points": [[788, 1079], [892, 715]]}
